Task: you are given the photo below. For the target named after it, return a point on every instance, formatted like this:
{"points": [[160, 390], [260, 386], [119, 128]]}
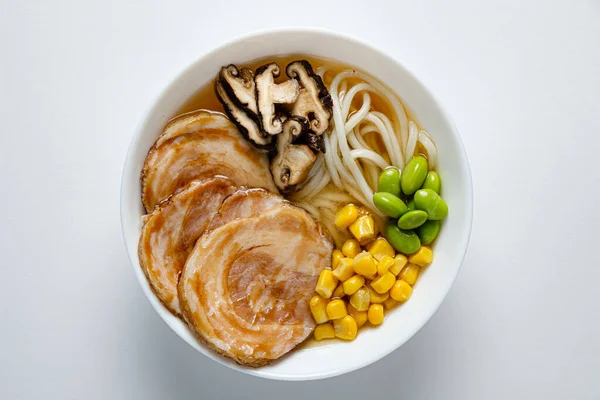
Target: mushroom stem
{"points": [[269, 93], [291, 165]]}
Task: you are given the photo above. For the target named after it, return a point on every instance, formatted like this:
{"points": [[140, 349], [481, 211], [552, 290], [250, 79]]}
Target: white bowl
{"points": [[334, 357]]}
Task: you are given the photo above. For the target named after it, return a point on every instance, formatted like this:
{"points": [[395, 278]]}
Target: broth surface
{"points": [[205, 98]]}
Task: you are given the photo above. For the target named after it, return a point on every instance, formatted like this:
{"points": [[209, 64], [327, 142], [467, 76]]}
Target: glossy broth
{"points": [[205, 98]]}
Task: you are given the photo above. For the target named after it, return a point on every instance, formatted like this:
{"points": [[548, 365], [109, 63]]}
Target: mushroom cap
{"points": [[241, 83], [293, 162], [269, 93], [245, 121], [312, 140], [314, 101]]}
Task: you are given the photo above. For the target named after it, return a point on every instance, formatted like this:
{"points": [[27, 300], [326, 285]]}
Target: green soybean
{"points": [[431, 202], [411, 205], [389, 181], [433, 182], [390, 205], [412, 219], [413, 175], [406, 242], [428, 231]]}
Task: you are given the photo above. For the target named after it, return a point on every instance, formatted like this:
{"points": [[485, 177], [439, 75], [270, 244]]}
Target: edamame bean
{"points": [[389, 181], [412, 219], [428, 231], [431, 202], [389, 204], [411, 205], [406, 242], [413, 175], [433, 182]]}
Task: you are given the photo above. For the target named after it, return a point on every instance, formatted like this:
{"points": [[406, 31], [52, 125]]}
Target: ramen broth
{"points": [[205, 98]]}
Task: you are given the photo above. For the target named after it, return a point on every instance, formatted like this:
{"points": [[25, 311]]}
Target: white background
{"points": [[522, 82]]}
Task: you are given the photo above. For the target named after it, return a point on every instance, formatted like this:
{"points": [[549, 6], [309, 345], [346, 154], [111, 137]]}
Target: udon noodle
{"points": [[361, 143]]}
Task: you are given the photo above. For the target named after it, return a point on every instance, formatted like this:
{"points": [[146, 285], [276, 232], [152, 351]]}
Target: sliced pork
{"points": [[243, 204], [171, 232], [245, 287], [201, 145]]}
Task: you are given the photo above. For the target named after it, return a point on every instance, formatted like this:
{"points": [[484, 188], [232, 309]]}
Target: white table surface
{"points": [[521, 80]]}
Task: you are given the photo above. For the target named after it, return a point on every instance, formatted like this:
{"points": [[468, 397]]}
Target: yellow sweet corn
{"points": [[384, 264], [351, 248], [423, 257], [361, 299], [390, 303], [399, 262], [381, 248], [345, 328], [324, 331], [364, 264], [410, 273], [378, 298], [363, 229], [346, 216], [336, 309], [370, 277], [359, 316], [401, 291], [339, 291], [353, 284], [336, 256], [383, 283], [345, 269], [326, 283], [375, 314], [318, 309]]}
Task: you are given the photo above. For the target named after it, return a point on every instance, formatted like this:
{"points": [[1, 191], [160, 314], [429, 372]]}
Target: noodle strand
{"points": [[361, 143]]}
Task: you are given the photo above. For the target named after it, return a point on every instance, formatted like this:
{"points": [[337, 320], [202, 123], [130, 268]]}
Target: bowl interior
{"points": [[335, 357]]}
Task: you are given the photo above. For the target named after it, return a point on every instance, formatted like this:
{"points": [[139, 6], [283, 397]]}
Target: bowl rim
{"points": [[265, 33]]}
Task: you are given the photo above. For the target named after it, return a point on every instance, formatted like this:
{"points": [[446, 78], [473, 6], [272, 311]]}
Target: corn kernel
{"points": [[359, 316], [336, 256], [351, 248], [384, 282], [353, 284], [345, 328], [361, 299], [336, 309], [324, 331], [401, 291], [339, 291], [370, 277], [317, 306], [363, 229], [326, 283], [381, 248], [423, 257], [346, 216], [384, 265], [364, 264], [375, 314], [390, 303], [399, 262], [410, 273], [378, 298], [344, 271]]}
